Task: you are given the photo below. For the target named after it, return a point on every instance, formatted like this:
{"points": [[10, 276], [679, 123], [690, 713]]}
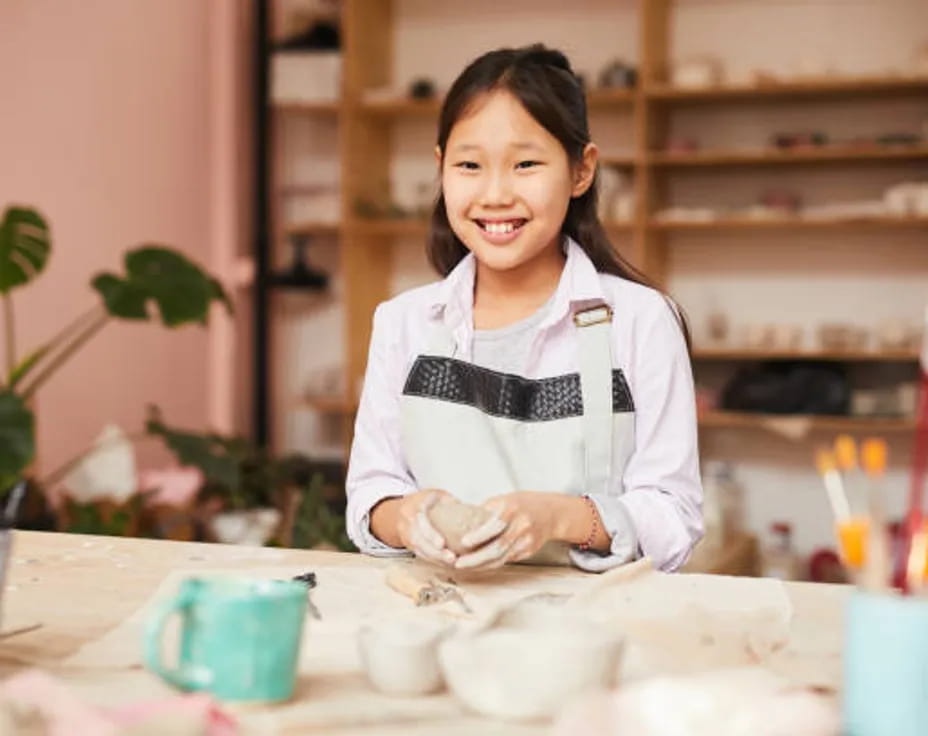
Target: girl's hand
{"points": [[416, 531], [531, 519]]}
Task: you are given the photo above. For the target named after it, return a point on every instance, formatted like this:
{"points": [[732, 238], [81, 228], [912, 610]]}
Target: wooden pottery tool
{"points": [[425, 588]]}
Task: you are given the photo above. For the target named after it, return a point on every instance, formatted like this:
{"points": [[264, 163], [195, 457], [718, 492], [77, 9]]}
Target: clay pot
{"points": [[253, 527], [529, 673], [401, 657]]}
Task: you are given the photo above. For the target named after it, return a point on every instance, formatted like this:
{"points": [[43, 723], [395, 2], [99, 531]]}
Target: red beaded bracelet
{"points": [[595, 518]]}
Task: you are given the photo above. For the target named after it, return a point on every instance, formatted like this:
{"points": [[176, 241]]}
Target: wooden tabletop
{"points": [[80, 587]]}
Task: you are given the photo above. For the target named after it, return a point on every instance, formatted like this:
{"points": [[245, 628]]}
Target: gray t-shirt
{"points": [[506, 349]]}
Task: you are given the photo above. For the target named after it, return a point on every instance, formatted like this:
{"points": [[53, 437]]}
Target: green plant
{"points": [[242, 476], [180, 290], [316, 524]]}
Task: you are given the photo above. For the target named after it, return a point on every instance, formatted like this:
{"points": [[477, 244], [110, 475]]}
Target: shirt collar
{"points": [[579, 283]]}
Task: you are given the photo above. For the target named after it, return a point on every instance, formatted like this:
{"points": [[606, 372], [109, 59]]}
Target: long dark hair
{"points": [[543, 81]]}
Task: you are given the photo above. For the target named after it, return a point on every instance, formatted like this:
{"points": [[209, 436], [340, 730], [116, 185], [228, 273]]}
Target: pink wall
{"points": [[106, 128]]}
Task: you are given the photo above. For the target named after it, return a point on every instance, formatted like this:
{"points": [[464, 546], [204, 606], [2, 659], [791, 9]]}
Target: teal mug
{"points": [[239, 639], [886, 665]]}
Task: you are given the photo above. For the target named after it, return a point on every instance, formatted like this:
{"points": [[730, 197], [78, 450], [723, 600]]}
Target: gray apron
{"points": [[478, 433]]}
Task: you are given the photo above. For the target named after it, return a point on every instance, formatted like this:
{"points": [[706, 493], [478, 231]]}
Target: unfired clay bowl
{"points": [[400, 656], [529, 673]]}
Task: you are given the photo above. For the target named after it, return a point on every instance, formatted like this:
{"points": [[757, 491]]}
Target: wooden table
{"points": [[81, 587]]}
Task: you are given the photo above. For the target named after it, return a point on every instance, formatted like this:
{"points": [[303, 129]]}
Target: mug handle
{"points": [[189, 678]]}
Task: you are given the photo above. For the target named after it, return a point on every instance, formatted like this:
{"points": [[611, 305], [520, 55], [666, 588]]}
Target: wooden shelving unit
{"points": [[366, 129], [857, 356], [811, 155], [738, 420], [790, 223], [330, 229], [825, 87], [307, 108]]}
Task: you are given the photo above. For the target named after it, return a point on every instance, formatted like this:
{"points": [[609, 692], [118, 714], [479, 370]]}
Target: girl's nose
{"points": [[497, 190]]}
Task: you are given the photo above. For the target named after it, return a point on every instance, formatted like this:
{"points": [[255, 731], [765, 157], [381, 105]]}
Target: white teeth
{"points": [[499, 228]]}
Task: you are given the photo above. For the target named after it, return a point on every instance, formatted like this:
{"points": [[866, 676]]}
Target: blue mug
{"points": [[239, 639], [886, 665]]}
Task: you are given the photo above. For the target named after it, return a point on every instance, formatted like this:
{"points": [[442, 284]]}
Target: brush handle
{"points": [[913, 520]]}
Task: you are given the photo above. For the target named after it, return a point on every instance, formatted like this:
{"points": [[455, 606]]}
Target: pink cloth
{"points": [[65, 714]]}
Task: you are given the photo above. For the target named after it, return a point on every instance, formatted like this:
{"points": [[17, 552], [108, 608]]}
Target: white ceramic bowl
{"points": [[400, 657], [529, 673]]}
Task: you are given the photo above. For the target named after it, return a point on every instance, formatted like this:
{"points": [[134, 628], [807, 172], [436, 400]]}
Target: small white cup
{"points": [[400, 656]]}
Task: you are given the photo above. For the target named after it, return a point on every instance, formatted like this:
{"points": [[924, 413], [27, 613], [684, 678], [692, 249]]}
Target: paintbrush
{"points": [[852, 533], [877, 568], [834, 488], [913, 520], [846, 459], [849, 535], [915, 564]]}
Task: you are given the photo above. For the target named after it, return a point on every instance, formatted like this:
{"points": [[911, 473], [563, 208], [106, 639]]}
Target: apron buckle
{"points": [[593, 315]]}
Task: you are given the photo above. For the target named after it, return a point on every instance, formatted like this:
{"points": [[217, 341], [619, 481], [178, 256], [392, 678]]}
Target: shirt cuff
{"points": [[619, 526], [360, 529]]}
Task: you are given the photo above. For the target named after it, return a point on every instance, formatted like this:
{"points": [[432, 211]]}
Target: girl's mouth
{"points": [[501, 231]]}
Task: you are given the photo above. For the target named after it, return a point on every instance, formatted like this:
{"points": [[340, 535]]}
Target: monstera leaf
{"points": [[219, 458], [17, 444], [24, 247], [181, 291]]}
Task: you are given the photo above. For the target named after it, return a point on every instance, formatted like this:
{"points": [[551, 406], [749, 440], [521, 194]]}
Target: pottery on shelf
{"points": [[253, 527]]}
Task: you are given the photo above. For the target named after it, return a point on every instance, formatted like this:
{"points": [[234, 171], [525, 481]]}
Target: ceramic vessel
{"points": [[529, 673], [400, 657], [253, 527]]}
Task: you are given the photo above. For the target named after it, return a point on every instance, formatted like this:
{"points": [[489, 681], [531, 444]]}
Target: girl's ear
{"points": [[438, 157], [585, 170]]}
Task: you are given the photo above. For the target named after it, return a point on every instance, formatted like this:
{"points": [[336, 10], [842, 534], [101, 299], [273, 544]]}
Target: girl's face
{"points": [[507, 183]]}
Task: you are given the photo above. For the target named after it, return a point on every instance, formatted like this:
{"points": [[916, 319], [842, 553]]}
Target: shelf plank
{"points": [[623, 159], [789, 223], [602, 98], [805, 155], [402, 107], [859, 356], [797, 88], [619, 226], [328, 404], [307, 108], [329, 229], [408, 107], [411, 226], [739, 420]]}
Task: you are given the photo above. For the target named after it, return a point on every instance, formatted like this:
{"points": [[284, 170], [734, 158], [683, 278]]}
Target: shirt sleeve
{"points": [[376, 470], [662, 488]]}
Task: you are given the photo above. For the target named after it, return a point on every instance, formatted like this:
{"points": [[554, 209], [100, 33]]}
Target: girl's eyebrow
{"points": [[519, 146]]}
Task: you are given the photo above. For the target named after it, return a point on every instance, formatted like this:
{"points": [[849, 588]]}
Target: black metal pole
{"points": [[260, 393]]}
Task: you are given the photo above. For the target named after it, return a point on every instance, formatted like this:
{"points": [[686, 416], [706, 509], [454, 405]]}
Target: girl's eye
{"points": [[467, 165], [527, 164]]}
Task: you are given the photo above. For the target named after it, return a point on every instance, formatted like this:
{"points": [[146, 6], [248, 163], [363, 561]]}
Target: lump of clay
{"points": [[453, 519]]}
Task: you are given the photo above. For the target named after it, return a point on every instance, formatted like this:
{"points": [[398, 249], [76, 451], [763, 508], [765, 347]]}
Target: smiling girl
{"points": [[543, 378]]}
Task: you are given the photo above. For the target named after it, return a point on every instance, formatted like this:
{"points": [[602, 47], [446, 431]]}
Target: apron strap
{"points": [[595, 336], [441, 343]]}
